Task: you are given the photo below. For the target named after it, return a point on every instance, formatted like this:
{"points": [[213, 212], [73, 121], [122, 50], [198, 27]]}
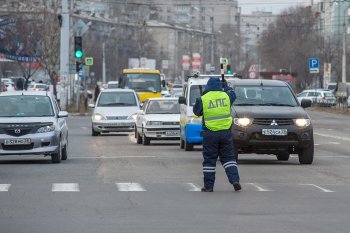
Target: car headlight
{"points": [[154, 123], [132, 117], [302, 122], [242, 122], [98, 117], [194, 120], [45, 129]]}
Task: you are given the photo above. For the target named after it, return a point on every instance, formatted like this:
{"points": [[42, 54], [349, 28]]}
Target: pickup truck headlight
{"points": [[99, 117], [302, 122], [45, 129], [154, 123], [242, 122]]}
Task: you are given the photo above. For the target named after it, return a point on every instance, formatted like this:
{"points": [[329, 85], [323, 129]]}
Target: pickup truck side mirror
{"points": [[305, 103], [182, 100]]}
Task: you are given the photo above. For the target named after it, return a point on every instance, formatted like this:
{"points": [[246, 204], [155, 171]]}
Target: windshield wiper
{"points": [[277, 104]]}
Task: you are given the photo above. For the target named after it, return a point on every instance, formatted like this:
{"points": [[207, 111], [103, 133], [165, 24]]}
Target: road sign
{"points": [[212, 69], [89, 61], [165, 64], [224, 61], [80, 27], [314, 65]]}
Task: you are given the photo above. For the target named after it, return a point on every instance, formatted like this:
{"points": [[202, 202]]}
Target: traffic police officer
{"points": [[215, 107]]}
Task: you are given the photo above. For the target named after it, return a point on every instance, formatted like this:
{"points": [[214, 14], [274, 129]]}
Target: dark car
{"points": [[268, 119]]}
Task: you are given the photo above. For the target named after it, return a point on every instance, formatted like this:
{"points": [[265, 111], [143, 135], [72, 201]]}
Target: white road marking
{"points": [[4, 187], [332, 136], [130, 187], [316, 144], [322, 189], [259, 188], [65, 187], [193, 188], [84, 127], [334, 143], [114, 157], [330, 129]]}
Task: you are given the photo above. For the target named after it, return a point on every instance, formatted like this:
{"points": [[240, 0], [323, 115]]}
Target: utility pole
{"points": [[64, 54]]}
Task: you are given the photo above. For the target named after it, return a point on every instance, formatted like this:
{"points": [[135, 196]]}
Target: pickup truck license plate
{"points": [[277, 132], [20, 141]]}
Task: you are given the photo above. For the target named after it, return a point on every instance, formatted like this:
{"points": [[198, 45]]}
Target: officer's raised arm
{"points": [[198, 107]]}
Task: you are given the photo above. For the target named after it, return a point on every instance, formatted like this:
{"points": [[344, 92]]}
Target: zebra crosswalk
{"points": [[191, 187]]}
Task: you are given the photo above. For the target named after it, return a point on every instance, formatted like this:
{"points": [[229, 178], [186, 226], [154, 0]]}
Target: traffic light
{"points": [[228, 68], [78, 66], [78, 47]]}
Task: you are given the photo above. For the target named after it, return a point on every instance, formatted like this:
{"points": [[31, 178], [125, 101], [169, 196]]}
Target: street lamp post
{"points": [[344, 47]]}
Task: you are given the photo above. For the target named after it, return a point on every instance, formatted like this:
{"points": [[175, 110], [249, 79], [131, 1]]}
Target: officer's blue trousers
{"points": [[218, 144]]}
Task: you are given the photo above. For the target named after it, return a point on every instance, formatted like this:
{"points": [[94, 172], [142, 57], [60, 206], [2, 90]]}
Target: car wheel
{"points": [[138, 138], [306, 155], [145, 140], [56, 157], [93, 132], [65, 152], [182, 144], [283, 156]]}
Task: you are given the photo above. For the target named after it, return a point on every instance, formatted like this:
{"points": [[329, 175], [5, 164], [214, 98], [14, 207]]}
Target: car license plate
{"points": [[278, 132], [22, 141], [171, 133]]}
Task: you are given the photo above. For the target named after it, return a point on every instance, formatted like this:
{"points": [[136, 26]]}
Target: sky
{"points": [[276, 6]]}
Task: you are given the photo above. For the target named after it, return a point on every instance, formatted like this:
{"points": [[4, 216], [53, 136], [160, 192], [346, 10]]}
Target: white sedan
{"points": [[159, 119]]}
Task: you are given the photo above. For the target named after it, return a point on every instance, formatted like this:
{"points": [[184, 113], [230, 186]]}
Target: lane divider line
{"points": [[319, 187], [193, 187], [65, 187], [130, 187], [4, 187], [332, 136], [259, 188]]}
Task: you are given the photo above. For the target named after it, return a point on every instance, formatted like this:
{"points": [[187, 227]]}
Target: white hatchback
{"points": [[159, 119], [318, 96], [114, 110]]}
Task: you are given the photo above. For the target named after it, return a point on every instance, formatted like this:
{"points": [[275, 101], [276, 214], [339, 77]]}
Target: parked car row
{"points": [[318, 96]]}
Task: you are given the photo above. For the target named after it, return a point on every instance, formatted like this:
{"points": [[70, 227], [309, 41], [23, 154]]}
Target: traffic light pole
{"points": [[64, 55]]}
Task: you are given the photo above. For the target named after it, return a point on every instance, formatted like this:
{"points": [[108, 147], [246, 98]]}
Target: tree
{"points": [[289, 42]]}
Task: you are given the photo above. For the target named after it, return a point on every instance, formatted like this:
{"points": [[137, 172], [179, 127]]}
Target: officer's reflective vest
{"points": [[217, 110]]}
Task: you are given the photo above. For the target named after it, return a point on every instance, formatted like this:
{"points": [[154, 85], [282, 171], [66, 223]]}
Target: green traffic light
{"points": [[78, 54], [229, 72]]}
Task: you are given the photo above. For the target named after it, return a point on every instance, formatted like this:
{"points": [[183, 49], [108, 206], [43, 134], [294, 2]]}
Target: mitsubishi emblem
{"points": [[273, 122], [17, 131]]}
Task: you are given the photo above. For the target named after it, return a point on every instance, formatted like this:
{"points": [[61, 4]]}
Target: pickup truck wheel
{"points": [[145, 140], [188, 146], [182, 144], [306, 155], [283, 156]]}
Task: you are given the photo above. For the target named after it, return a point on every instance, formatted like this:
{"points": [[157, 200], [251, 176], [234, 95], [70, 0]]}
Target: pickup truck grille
{"points": [[271, 121]]}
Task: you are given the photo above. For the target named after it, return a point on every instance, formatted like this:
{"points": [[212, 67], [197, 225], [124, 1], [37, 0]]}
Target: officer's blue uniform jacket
{"points": [[217, 143]]}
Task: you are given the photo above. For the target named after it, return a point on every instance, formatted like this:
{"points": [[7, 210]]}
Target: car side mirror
{"points": [[305, 103], [62, 114], [140, 112], [91, 105], [182, 100]]}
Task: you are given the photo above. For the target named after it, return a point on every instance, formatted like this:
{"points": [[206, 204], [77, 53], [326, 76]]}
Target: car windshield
{"points": [[163, 107], [264, 95], [112, 85], [143, 82], [108, 99], [195, 92], [25, 106], [328, 94]]}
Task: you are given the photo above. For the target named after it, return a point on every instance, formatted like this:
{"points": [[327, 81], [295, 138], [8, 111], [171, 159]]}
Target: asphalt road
{"points": [[111, 184]]}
